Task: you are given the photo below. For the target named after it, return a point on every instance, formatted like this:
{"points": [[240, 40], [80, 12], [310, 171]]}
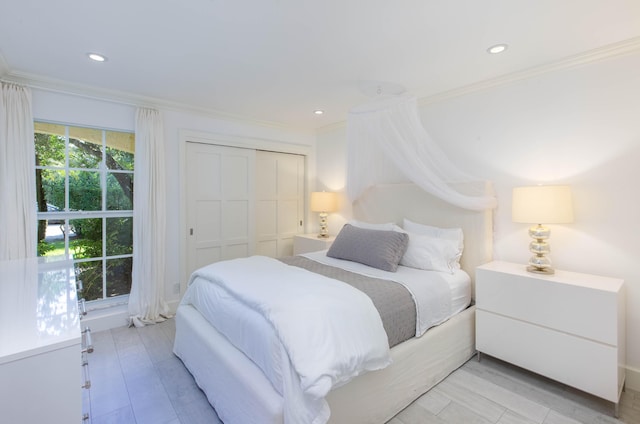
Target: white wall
{"points": [[578, 126], [73, 109]]}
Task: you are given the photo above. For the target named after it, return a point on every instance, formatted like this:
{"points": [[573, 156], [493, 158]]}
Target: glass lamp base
{"points": [[536, 270]]}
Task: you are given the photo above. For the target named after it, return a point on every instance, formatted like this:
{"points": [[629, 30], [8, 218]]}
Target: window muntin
{"points": [[84, 182]]}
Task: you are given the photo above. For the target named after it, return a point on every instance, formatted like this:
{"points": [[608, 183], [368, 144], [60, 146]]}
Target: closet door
{"points": [[220, 203], [279, 202]]}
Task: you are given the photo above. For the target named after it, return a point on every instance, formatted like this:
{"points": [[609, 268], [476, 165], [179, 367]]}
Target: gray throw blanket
{"points": [[392, 300]]}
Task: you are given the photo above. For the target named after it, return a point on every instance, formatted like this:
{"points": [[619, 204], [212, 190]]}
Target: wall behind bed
{"points": [[575, 125]]}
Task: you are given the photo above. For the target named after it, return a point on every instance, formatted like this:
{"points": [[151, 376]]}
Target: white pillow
{"points": [[432, 253], [388, 226], [441, 233], [440, 244]]}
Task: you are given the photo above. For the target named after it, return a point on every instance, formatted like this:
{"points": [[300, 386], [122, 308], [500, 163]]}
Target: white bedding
{"points": [[255, 303], [438, 295]]}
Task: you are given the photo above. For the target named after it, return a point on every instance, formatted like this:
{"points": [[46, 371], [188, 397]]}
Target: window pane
{"points": [[85, 147], [49, 150], [118, 276], [90, 273], [84, 191], [87, 238], [119, 236], [119, 191], [120, 150], [50, 238], [84, 155], [50, 186]]}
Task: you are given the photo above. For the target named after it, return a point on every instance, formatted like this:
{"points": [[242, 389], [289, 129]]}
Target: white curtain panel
{"points": [[18, 226], [388, 144], [146, 300]]}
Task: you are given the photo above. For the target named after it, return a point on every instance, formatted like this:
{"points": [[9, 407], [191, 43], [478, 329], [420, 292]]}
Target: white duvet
{"points": [[340, 337]]}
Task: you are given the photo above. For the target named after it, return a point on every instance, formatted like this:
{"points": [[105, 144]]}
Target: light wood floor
{"points": [[136, 379]]}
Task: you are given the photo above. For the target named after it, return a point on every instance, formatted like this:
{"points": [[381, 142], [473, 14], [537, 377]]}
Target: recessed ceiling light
{"points": [[318, 112], [498, 48], [97, 57]]}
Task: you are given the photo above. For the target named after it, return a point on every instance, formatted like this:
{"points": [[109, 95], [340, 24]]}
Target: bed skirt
{"points": [[240, 393]]}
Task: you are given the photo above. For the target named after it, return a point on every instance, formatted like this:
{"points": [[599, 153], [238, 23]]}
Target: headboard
{"points": [[393, 202]]}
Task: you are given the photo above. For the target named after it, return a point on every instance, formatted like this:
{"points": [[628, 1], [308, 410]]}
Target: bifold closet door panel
{"points": [[220, 203], [279, 202]]}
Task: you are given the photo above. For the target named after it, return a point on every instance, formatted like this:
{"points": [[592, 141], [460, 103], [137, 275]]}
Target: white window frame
{"points": [[103, 214]]}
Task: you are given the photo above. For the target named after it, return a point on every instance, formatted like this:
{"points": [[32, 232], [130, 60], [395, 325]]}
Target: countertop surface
{"points": [[38, 307]]}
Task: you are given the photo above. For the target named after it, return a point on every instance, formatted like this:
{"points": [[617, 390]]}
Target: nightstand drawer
{"points": [[578, 362], [568, 302]]}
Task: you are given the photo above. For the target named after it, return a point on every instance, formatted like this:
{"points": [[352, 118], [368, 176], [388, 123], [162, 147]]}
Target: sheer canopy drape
{"points": [[18, 226], [388, 144], [146, 300]]}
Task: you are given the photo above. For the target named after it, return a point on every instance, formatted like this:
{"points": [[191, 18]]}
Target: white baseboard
{"points": [[113, 317], [632, 380]]}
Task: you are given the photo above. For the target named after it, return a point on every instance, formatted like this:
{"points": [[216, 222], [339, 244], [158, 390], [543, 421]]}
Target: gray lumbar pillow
{"points": [[376, 248]]}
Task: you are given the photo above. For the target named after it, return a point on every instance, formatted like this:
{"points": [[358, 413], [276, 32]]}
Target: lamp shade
{"points": [[542, 205], [323, 201]]}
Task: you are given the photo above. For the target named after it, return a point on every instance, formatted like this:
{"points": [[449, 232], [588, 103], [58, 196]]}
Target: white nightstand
{"points": [[304, 243], [569, 327]]}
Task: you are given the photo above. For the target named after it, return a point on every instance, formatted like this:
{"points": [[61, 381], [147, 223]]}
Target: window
{"points": [[84, 183]]}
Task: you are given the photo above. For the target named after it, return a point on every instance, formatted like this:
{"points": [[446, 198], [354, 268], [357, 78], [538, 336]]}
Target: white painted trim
{"points": [[115, 96], [243, 142], [114, 317], [331, 127], [185, 136], [632, 379], [106, 319], [622, 48]]}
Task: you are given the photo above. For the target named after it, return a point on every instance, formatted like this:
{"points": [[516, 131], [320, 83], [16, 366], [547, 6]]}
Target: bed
{"points": [[241, 392]]}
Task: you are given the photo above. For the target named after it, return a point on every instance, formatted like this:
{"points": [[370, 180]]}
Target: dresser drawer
{"points": [[584, 364], [568, 302]]}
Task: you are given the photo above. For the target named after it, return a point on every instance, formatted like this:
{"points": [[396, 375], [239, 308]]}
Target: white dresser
{"points": [[569, 327], [40, 343]]}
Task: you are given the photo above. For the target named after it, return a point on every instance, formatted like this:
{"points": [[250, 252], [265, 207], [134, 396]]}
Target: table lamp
{"points": [[541, 205], [323, 202]]}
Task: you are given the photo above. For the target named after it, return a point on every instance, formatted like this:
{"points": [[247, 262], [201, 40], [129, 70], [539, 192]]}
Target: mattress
{"points": [[241, 394]]}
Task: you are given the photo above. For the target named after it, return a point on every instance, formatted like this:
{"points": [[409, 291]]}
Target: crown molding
{"points": [[610, 51], [120, 97], [331, 127], [623, 48]]}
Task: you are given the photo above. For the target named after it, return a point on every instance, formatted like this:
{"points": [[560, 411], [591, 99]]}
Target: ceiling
{"points": [[279, 60]]}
